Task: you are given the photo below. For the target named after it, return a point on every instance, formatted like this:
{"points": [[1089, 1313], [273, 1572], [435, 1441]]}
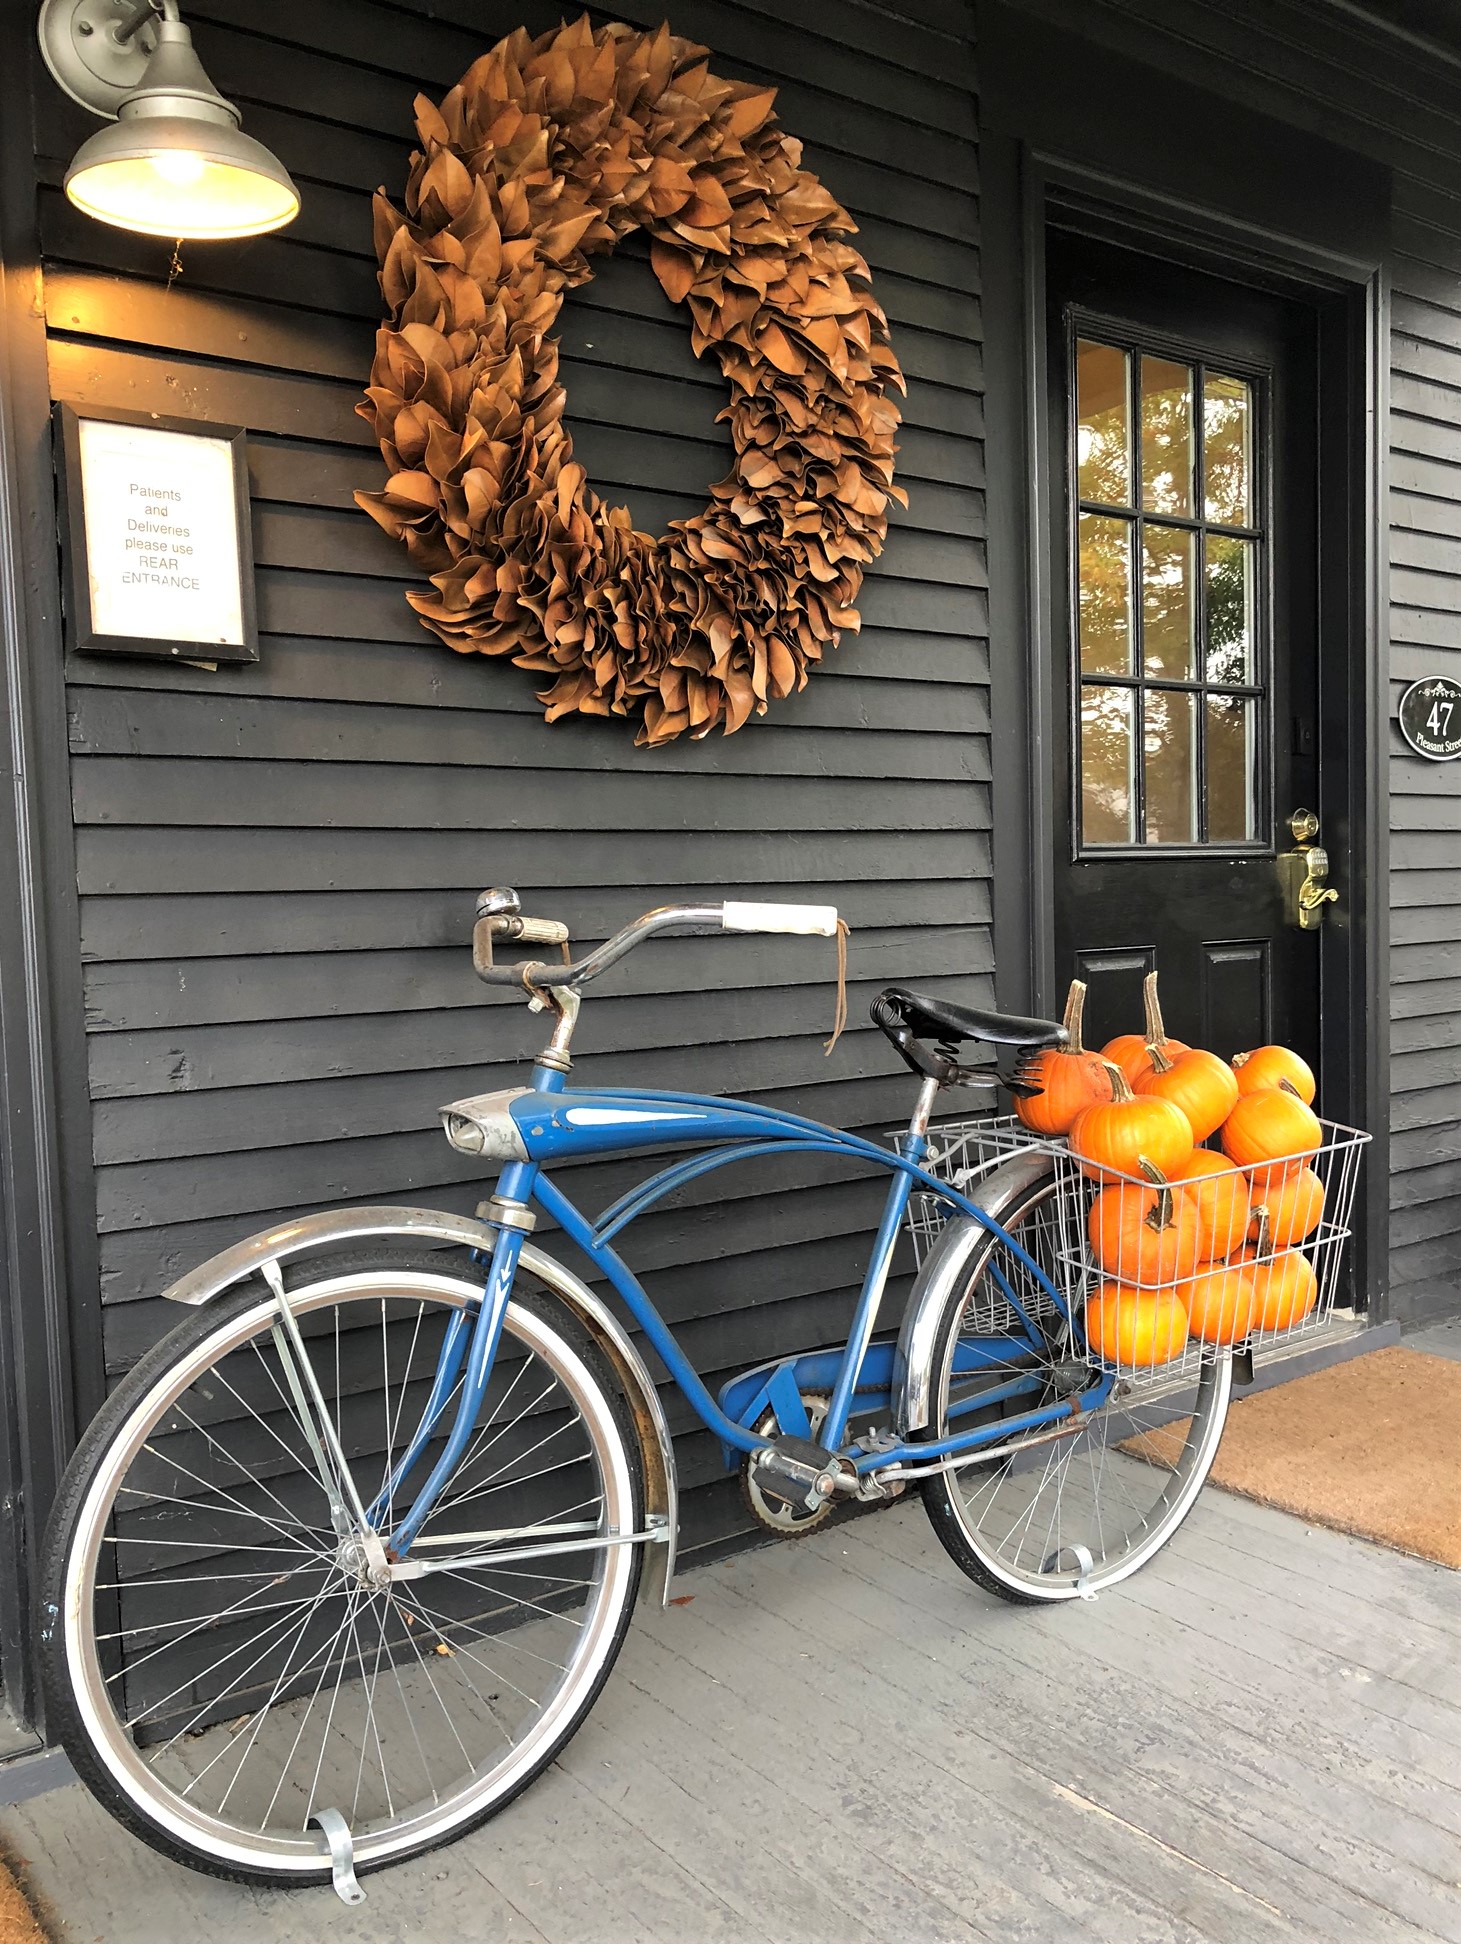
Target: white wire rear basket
{"points": [[1124, 1252]]}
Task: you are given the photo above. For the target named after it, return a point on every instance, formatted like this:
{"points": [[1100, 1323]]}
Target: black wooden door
{"points": [[1184, 532]]}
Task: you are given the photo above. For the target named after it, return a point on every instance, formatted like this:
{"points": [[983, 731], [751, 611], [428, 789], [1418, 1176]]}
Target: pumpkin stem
{"points": [[1159, 1215], [1075, 1008], [1120, 1085], [1263, 1247], [1241, 1059], [1287, 1086], [1159, 1060], [1156, 1032]]}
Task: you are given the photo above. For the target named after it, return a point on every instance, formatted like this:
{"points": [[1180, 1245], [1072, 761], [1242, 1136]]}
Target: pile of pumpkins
{"points": [[1199, 1244]]}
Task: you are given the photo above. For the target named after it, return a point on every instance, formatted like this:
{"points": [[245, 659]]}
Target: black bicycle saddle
{"points": [[904, 1016]]}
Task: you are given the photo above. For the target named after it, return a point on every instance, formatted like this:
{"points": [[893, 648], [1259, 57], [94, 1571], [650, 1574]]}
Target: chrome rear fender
{"points": [[334, 1228], [962, 1248]]}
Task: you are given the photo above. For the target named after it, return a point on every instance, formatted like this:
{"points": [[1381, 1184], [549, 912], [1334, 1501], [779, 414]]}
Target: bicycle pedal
{"points": [[795, 1472]]}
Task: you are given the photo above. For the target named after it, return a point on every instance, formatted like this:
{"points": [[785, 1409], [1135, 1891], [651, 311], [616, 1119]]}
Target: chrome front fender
{"points": [[958, 1255], [334, 1228]]}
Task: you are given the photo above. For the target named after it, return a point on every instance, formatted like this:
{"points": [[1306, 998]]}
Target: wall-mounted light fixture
{"points": [[175, 161]]}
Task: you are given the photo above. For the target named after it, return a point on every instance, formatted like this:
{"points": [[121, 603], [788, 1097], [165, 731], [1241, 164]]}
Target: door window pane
{"points": [[1108, 765], [1229, 620], [1170, 616], [1103, 423], [1105, 596], [1171, 766], [1230, 769], [1168, 605], [1227, 461], [1166, 437]]}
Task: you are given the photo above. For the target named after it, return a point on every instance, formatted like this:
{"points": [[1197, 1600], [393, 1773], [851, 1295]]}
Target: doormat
{"points": [[17, 1925], [1369, 1447]]}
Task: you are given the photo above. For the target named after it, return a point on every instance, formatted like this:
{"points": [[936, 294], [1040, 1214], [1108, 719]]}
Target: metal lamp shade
{"points": [[175, 162], [180, 176]]}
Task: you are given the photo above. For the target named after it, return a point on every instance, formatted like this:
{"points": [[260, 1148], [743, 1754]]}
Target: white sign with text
{"points": [[162, 556]]}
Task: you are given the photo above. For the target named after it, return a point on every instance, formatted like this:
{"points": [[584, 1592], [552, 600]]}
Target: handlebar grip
{"points": [[541, 931], [816, 921]]}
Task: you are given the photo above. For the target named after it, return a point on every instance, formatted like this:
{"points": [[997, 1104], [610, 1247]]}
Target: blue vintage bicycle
{"points": [[347, 1558]]}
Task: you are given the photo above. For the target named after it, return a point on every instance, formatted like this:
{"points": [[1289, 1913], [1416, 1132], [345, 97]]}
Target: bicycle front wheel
{"points": [[219, 1665], [1082, 1510]]}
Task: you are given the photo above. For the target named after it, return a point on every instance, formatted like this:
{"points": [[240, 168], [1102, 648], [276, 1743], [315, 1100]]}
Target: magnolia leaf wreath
{"points": [[545, 153]]}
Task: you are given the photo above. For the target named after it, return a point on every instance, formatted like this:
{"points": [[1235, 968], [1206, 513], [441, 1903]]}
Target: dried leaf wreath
{"points": [[546, 152]]}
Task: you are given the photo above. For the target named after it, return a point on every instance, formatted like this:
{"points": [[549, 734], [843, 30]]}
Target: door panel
{"points": [[1184, 532]]}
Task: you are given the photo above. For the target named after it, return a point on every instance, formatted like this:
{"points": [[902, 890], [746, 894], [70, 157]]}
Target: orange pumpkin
{"points": [[1118, 1135], [1268, 1066], [1145, 1235], [1295, 1201], [1270, 1125], [1285, 1287], [1068, 1076], [1135, 1327], [1132, 1051], [1220, 1304], [1202, 1085], [1221, 1193]]}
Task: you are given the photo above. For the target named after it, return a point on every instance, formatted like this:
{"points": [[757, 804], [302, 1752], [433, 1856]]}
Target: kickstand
{"points": [[342, 1854]]}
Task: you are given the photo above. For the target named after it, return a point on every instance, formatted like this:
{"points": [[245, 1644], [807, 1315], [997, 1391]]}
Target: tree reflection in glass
{"points": [[1166, 595], [1168, 619], [1229, 608], [1108, 765], [1103, 423], [1230, 766], [1226, 457], [1105, 596], [1166, 437], [1171, 766]]}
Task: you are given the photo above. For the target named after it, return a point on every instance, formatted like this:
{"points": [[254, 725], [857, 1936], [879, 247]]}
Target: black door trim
{"points": [[1023, 185], [50, 1332]]}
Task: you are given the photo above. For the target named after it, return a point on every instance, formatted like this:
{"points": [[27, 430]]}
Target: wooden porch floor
{"points": [[1259, 1738]]}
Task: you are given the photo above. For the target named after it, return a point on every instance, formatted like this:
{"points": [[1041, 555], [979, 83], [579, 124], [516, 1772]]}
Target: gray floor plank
{"points": [[909, 1692], [1326, 1720], [1328, 1829], [1140, 1756], [1438, 1339], [843, 1741], [1317, 1560]]}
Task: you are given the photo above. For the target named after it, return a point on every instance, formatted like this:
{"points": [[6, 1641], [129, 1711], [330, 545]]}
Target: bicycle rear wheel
{"points": [[218, 1664], [1081, 1511]]}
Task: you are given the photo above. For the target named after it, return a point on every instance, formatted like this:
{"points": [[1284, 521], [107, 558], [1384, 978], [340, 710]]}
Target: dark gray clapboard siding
{"points": [[278, 864], [1326, 69]]}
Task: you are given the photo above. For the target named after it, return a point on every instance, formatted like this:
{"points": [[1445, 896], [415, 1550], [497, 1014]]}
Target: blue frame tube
{"points": [[865, 1317], [748, 1132]]}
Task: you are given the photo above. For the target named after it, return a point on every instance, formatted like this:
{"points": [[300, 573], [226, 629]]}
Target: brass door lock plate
{"points": [[1302, 873]]}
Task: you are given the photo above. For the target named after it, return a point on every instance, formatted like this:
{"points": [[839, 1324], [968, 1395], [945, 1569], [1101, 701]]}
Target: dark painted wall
{"points": [[277, 866]]}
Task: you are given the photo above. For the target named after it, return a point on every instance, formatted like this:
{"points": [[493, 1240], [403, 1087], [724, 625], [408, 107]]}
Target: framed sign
{"points": [[1430, 718], [156, 524]]}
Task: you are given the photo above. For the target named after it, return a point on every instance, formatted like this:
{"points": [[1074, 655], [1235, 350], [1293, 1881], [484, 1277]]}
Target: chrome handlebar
{"points": [[499, 918]]}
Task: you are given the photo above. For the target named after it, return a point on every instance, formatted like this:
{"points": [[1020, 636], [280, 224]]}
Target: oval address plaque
{"points": [[1430, 718]]}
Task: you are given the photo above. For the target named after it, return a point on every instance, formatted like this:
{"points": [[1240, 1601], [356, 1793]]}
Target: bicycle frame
{"points": [[553, 1122]]}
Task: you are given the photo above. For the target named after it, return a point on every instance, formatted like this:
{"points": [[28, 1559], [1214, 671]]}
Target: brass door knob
{"points": [[1302, 872]]}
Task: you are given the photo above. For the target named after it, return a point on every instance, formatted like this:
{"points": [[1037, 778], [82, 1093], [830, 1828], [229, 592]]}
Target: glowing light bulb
{"points": [[181, 167]]}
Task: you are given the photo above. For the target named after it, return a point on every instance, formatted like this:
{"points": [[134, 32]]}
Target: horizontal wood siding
{"points": [[1327, 70], [278, 864]]}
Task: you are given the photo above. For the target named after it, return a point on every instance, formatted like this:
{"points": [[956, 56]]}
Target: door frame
{"points": [[1029, 177]]}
